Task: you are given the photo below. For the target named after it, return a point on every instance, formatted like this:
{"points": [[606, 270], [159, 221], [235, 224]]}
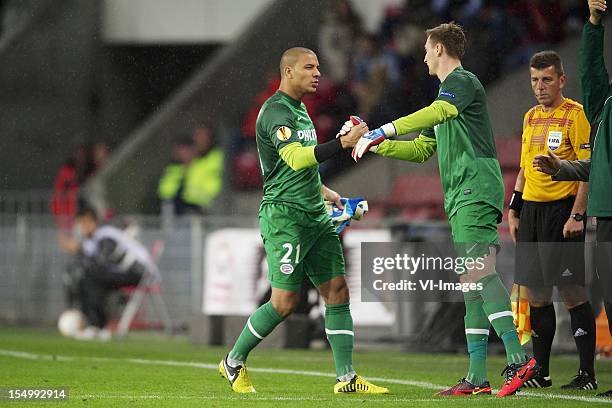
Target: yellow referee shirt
{"points": [[565, 131]]}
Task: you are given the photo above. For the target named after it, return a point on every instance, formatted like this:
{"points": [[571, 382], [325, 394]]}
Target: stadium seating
{"points": [[414, 190], [413, 197], [417, 197]]}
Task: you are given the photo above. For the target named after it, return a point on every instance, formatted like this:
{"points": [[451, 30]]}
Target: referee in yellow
{"points": [[547, 222]]}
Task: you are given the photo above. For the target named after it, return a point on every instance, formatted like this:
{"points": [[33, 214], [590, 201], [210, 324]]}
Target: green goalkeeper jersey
{"points": [[469, 169], [283, 120], [467, 158]]}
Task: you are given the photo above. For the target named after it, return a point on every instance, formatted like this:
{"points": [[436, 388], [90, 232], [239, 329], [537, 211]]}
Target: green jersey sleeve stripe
{"points": [[298, 157], [436, 113]]}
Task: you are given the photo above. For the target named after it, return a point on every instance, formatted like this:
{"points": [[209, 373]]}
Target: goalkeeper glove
{"points": [[359, 206], [354, 209], [371, 140], [348, 125]]}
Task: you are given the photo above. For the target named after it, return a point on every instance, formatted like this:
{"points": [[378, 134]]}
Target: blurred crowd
{"points": [[83, 163], [193, 179], [381, 76], [189, 184], [378, 75]]}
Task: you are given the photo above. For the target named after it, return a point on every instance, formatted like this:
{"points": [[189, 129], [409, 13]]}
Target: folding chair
{"points": [[148, 285]]}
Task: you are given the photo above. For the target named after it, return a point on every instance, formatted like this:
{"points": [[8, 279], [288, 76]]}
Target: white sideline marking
{"points": [[419, 384], [249, 398]]}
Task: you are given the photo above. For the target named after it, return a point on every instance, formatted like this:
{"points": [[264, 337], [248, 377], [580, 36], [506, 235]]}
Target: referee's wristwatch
{"points": [[578, 217]]}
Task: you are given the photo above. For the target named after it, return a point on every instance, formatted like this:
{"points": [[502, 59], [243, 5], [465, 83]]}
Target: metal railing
{"points": [[25, 201], [32, 267]]}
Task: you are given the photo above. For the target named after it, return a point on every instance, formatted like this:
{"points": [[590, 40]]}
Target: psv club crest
{"points": [[554, 139]]}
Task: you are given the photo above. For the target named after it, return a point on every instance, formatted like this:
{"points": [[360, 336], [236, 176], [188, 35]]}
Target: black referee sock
{"points": [[583, 330], [544, 325]]}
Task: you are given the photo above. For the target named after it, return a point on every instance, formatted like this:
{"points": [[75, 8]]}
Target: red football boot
{"points": [[516, 375], [464, 387]]}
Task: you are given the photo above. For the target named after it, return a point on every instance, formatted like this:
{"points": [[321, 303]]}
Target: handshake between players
{"points": [[360, 141]]}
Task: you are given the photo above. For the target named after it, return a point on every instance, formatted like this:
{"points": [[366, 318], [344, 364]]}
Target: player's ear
{"points": [[562, 78], [288, 72], [439, 49]]}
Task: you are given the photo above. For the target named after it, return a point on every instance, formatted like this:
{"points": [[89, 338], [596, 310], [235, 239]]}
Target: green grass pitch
{"points": [[148, 370]]}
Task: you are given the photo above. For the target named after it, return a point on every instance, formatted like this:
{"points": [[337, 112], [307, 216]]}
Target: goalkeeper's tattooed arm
{"points": [[331, 195]]}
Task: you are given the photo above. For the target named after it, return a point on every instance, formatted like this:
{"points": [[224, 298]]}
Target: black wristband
{"points": [[516, 202], [327, 150]]}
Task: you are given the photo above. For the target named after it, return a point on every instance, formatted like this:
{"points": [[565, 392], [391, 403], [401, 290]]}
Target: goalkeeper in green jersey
{"points": [[299, 238], [457, 125]]}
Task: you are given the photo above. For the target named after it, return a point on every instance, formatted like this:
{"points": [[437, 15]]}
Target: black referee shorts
{"points": [[543, 257]]}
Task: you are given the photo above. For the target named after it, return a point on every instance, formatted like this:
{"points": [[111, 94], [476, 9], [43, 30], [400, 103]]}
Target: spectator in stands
{"points": [[373, 70], [371, 57], [462, 11], [543, 25], [172, 183], [66, 188], [339, 28], [367, 68], [495, 35], [194, 179], [100, 153], [403, 29], [576, 15], [205, 175], [109, 259]]}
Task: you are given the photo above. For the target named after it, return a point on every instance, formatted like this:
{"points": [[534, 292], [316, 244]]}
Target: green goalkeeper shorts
{"points": [[299, 245], [474, 229]]}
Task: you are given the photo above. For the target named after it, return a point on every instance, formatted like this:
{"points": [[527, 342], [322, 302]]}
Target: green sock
{"points": [[260, 324], [496, 305], [339, 330], [477, 334]]}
